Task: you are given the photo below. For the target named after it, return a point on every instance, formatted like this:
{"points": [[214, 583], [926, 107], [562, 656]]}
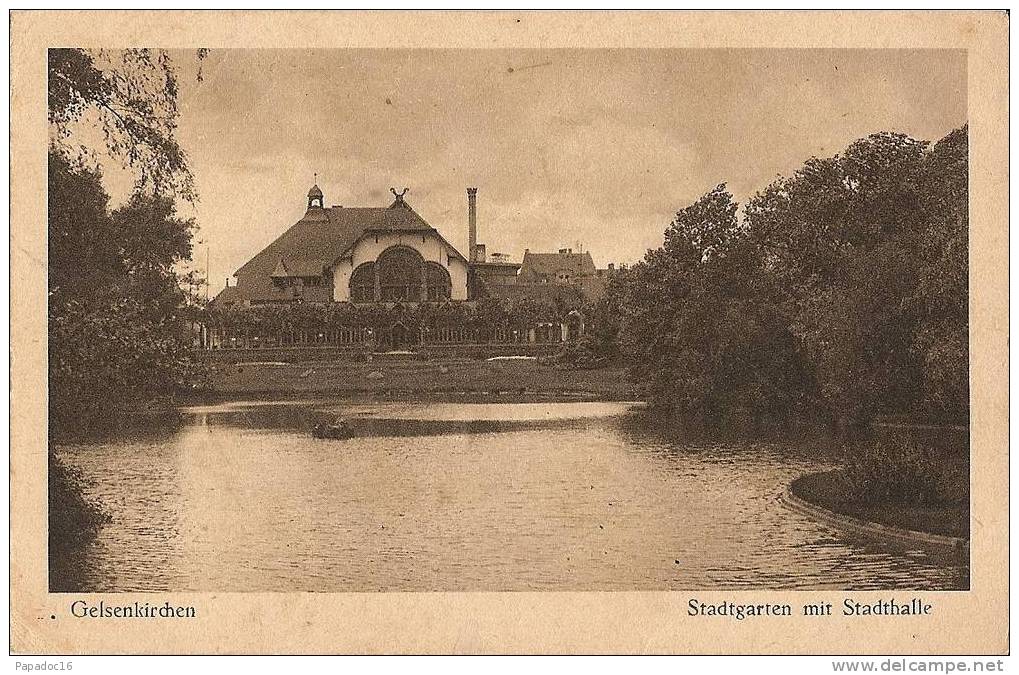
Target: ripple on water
{"points": [[242, 499]]}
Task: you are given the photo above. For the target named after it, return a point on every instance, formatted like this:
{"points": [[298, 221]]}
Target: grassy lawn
{"points": [[945, 518], [513, 378]]}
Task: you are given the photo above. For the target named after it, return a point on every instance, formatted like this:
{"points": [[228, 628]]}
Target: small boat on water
{"points": [[338, 430]]}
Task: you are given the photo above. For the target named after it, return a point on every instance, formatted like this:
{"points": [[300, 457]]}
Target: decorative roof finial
{"points": [[399, 195]]}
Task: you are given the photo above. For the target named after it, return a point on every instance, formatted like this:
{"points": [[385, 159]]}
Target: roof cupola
{"points": [[316, 200]]}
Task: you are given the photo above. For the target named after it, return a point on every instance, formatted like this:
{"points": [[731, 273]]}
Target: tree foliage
{"points": [[841, 234], [701, 325], [130, 96], [604, 317], [119, 315], [842, 289], [941, 297]]}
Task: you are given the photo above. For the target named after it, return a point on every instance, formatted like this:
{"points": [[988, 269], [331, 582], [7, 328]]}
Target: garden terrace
{"points": [[360, 327]]}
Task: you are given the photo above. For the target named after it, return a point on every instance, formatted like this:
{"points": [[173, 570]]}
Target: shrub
{"points": [[585, 353], [896, 470], [121, 319], [73, 519]]}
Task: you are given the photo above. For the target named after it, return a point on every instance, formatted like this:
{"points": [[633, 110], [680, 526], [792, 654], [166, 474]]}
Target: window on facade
{"points": [[362, 283], [438, 283], [400, 270]]}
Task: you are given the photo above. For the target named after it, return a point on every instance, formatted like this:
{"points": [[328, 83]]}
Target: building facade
{"points": [[353, 254], [383, 276]]}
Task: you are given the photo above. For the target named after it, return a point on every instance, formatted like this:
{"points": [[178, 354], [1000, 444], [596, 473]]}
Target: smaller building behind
{"points": [[564, 275]]}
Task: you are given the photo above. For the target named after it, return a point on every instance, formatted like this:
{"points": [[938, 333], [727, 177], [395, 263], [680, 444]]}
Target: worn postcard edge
{"points": [[967, 622]]}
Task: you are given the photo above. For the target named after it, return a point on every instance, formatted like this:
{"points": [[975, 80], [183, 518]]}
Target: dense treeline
{"points": [[118, 309], [838, 293], [119, 314]]}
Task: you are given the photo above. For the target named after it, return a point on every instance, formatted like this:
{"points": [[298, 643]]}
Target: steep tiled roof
{"points": [[314, 243], [538, 266], [323, 235], [227, 295]]}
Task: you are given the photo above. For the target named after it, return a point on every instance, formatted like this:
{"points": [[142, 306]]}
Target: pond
{"points": [[463, 497]]}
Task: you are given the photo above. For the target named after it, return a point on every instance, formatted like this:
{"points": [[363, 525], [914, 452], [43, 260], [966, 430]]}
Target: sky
{"points": [[592, 149]]}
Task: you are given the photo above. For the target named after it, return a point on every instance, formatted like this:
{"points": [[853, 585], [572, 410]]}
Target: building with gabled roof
{"points": [[391, 255], [563, 267], [359, 254]]}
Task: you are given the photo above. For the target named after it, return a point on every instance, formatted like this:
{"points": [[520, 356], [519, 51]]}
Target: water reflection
{"points": [[443, 497]]}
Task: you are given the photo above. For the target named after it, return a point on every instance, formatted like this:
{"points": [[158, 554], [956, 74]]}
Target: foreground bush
{"points": [[73, 519], [121, 318], [898, 470], [584, 353]]}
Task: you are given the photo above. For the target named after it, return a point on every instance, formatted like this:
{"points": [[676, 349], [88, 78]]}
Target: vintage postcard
{"points": [[509, 332]]}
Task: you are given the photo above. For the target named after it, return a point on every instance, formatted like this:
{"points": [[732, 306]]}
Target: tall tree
{"points": [[117, 304], [844, 285], [847, 238], [118, 331], [603, 317], [130, 96], [942, 292], [701, 331]]}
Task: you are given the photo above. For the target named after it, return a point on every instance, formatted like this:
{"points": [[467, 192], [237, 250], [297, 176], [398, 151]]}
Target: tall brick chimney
{"points": [[472, 223]]}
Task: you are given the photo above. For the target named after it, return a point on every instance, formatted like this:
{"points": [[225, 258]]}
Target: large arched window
{"points": [[362, 283], [438, 285], [400, 274]]}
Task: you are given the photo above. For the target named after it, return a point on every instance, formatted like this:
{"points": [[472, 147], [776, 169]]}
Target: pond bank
{"points": [[825, 496], [510, 380]]}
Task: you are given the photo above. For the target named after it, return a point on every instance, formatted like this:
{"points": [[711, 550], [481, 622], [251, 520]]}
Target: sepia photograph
{"points": [[424, 320], [439, 320]]}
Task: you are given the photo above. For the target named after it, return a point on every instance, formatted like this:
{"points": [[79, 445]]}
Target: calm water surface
{"points": [[463, 497]]}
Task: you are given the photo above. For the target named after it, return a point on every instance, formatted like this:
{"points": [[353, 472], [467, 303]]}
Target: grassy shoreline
{"points": [[523, 380], [829, 490]]}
